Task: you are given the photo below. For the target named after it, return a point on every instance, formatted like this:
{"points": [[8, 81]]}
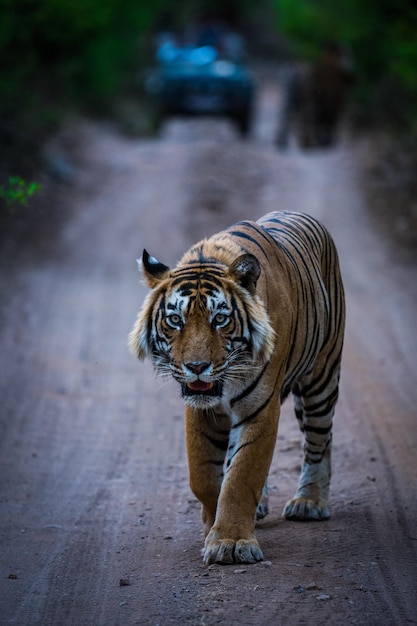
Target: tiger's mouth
{"points": [[200, 387]]}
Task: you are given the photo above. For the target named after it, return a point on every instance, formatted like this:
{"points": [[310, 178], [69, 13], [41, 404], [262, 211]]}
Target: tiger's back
{"points": [[312, 257], [246, 317]]}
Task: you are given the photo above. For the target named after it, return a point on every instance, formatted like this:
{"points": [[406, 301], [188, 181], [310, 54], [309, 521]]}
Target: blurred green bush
{"points": [[18, 191], [382, 37], [68, 50]]}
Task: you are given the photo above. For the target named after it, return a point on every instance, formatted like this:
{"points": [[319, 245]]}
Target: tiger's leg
{"points": [[207, 439], [232, 536], [262, 509], [315, 399]]}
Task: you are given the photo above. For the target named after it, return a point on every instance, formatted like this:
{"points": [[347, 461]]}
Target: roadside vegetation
{"points": [[18, 191], [381, 36]]}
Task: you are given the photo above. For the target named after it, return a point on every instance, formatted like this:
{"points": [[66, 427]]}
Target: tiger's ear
{"points": [[245, 270], [153, 270]]}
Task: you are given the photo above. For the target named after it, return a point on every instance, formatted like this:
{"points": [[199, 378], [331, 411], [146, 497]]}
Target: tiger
{"points": [[248, 316]]}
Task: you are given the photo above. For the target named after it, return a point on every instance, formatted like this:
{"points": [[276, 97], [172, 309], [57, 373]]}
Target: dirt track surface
{"points": [[97, 522]]}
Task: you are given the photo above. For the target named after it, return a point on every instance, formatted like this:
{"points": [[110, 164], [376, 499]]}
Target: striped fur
{"points": [[246, 317]]}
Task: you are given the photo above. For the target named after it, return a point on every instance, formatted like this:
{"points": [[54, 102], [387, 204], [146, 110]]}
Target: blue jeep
{"points": [[200, 80]]}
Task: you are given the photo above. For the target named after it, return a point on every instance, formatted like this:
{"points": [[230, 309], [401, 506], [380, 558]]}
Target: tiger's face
{"points": [[204, 324]]}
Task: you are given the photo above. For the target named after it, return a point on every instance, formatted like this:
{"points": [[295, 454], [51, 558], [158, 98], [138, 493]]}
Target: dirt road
{"points": [[98, 526]]}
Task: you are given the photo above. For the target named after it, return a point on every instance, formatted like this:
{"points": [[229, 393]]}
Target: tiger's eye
{"points": [[220, 319], [174, 320]]}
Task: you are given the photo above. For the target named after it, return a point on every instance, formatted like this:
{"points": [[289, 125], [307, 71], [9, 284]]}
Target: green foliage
{"points": [[382, 37], [61, 55], [18, 191], [79, 48]]}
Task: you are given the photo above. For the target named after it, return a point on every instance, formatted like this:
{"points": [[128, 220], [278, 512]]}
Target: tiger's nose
{"points": [[197, 367]]}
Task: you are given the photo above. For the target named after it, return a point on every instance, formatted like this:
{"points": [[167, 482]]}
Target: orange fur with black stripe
{"points": [[246, 317]]}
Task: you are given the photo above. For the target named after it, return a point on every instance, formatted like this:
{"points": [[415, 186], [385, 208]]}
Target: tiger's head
{"points": [[204, 324]]}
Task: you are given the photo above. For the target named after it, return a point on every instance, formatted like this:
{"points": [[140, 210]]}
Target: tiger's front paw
{"points": [[306, 509], [227, 551]]}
